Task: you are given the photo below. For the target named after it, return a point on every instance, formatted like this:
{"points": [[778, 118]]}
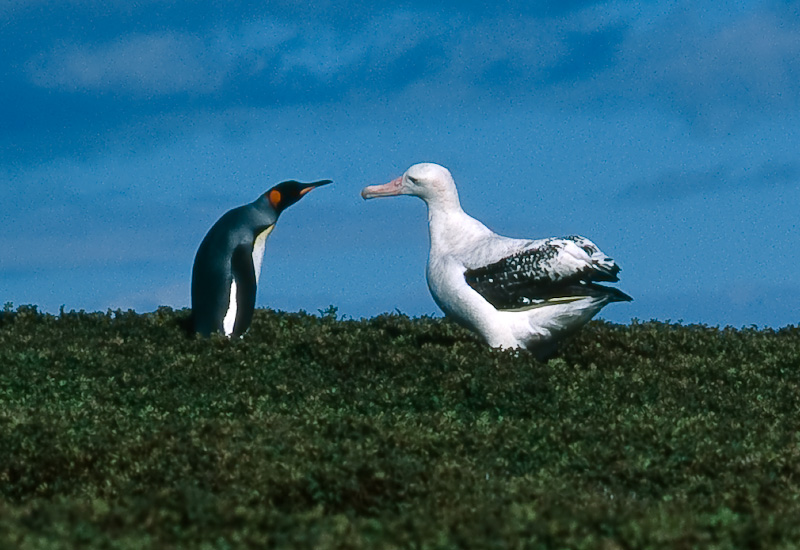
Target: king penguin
{"points": [[228, 263]]}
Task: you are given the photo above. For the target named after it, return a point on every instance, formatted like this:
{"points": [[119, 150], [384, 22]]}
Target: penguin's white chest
{"points": [[229, 321], [258, 250]]}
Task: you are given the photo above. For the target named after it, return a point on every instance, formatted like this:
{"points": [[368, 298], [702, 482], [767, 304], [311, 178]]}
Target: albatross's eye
{"points": [[413, 180]]}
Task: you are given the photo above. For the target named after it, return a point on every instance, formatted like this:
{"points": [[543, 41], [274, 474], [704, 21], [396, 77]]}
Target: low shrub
{"points": [[118, 430]]}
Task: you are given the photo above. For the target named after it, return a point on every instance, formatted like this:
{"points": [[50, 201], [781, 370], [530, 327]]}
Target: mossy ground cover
{"points": [[119, 431]]}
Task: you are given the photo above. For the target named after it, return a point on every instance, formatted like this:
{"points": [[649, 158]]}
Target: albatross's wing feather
{"points": [[549, 271]]}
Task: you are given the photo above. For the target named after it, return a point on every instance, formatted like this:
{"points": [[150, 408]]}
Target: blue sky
{"points": [[666, 132]]}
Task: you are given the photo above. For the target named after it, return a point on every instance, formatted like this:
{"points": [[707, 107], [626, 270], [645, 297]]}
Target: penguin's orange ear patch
{"points": [[274, 198]]}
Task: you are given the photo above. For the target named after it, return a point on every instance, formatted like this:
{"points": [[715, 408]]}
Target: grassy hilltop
{"points": [[118, 431]]}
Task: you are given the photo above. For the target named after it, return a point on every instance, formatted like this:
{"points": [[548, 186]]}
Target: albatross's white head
{"points": [[430, 182]]}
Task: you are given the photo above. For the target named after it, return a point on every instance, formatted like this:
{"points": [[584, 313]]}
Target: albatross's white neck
{"points": [[451, 228]]}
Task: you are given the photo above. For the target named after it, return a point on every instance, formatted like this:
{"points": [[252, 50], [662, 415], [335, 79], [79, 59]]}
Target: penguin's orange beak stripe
{"points": [[274, 198], [306, 190]]}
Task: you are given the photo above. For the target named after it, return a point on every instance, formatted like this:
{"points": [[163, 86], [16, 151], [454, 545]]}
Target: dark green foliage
{"points": [[118, 430]]}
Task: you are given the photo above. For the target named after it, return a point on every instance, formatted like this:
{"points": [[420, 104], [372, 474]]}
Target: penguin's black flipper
{"points": [[211, 278], [245, 276]]}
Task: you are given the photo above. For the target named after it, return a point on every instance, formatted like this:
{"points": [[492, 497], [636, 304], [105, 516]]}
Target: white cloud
{"points": [[741, 67], [152, 64], [680, 184], [704, 67]]}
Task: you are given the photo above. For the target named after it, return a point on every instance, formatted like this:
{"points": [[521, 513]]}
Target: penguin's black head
{"points": [[289, 192]]}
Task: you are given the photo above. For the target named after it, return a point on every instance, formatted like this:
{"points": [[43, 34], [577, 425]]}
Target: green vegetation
{"points": [[119, 431]]}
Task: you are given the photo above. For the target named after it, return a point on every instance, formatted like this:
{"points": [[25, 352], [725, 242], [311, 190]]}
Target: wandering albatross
{"points": [[515, 293]]}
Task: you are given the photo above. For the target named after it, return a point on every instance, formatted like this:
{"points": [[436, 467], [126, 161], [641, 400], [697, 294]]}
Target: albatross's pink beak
{"points": [[394, 187]]}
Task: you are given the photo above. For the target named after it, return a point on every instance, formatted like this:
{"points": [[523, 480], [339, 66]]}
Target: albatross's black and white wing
{"points": [[547, 272]]}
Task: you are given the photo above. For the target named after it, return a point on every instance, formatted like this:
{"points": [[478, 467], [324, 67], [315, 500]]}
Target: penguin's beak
{"points": [[394, 187], [309, 186]]}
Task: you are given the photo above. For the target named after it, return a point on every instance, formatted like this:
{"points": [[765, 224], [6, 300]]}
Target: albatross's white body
{"points": [[515, 293]]}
